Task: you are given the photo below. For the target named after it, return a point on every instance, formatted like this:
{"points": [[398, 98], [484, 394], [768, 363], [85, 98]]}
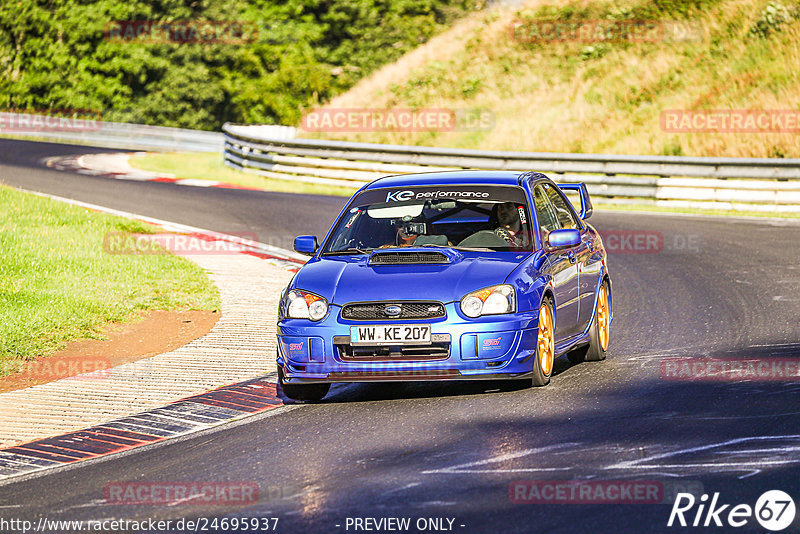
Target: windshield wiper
{"points": [[351, 250]]}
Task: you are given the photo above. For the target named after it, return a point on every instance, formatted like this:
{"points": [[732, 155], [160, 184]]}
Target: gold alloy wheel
{"points": [[603, 318], [546, 343]]}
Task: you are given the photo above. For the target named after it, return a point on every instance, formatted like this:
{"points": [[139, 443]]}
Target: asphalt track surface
{"points": [[714, 288]]}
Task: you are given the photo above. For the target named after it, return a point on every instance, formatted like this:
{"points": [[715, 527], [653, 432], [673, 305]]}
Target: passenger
{"points": [[406, 233], [506, 218]]}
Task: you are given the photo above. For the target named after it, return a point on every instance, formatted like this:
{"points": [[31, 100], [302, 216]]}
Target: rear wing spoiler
{"points": [[586, 203]]}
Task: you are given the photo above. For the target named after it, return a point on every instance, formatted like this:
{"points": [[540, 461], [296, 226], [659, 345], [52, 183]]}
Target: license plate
{"points": [[412, 334]]}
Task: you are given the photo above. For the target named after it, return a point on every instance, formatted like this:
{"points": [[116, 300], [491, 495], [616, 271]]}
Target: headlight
{"points": [[490, 301], [303, 305]]}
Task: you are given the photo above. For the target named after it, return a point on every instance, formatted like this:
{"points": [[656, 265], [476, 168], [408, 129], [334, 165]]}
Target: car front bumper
{"points": [[490, 347]]}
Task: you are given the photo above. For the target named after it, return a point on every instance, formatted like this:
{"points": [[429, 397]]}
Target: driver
{"points": [[509, 225]]}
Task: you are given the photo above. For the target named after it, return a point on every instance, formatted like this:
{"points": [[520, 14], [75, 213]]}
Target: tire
{"points": [[599, 332], [303, 392], [545, 346]]}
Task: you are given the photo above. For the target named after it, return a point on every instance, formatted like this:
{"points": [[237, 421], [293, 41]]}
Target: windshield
{"points": [[465, 217]]}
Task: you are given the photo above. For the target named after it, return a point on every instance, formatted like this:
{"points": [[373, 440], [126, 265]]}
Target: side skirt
{"points": [[572, 343]]}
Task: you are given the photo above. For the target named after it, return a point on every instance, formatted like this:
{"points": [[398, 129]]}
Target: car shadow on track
{"points": [[384, 391]]}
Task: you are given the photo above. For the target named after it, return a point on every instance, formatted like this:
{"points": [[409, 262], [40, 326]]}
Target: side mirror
{"points": [[306, 244], [564, 238]]}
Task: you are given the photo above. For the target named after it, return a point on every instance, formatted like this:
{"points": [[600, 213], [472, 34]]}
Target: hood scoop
{"points": [[409, 257]]}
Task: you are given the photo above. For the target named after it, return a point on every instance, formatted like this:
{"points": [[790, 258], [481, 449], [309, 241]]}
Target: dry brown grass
{"points": [[545, 98], [440, 48]]}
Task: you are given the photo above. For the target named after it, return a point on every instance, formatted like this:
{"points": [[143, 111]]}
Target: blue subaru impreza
{"points": [[446, 276]]}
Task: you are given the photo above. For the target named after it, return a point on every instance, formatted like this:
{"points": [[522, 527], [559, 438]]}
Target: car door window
{"points": [[566, 219], [545, 213]]}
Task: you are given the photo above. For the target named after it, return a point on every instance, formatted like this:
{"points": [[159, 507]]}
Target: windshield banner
{"points": [[480, 193]]}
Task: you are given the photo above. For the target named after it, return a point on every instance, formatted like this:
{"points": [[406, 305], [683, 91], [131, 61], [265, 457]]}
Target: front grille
{"points": [[376, 311], [439, 349], [434, 351], [407, 258]]}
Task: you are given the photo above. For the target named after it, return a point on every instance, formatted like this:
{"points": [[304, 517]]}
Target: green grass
{"points": [[209, 166], [58, 284]]}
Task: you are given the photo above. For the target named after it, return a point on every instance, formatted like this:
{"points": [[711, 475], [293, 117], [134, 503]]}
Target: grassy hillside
{"points": [[605, 96]]}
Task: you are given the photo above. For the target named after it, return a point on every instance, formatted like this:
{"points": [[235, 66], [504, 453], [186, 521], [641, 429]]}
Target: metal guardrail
{"points": [[757, 184], [109, 134]]}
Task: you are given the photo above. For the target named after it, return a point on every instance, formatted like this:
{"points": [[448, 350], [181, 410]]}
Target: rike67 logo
{"points": [[774, 510]]}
